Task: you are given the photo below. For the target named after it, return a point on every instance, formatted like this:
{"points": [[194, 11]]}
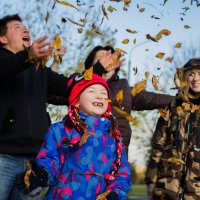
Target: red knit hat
{"points": [[77, 84]]}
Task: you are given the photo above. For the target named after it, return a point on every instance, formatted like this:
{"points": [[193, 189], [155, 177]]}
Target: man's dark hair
{"points": [[5, 20]]}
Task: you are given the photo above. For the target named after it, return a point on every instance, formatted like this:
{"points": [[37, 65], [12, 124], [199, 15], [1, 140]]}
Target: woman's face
{"points": [[193, 80]]}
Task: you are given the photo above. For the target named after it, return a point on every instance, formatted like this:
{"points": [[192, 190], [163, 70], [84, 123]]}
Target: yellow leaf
{"points": [[88, 74], [178, 45], [125, 115], [125, 41], [107, 100], [165, 32], [57, 41], [160, 55], [121, 51], [66, 4], [138, 87], [155, 82], [146, 74], [119, 97]]}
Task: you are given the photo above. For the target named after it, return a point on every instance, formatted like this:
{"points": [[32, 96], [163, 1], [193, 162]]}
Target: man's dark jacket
{"points": [[23, 91]]}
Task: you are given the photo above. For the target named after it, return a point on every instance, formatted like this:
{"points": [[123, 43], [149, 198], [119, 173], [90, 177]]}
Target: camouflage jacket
{"points": [[175, 159]]}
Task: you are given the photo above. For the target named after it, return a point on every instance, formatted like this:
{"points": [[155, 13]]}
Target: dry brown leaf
{"points": [[147, 74], [66, 4], [178, 45], [80, 30], [155, 82], [138, 87], [88, 74], [149, 37], [75, 22], [47, 17], [119, 97], [125, 41], [121, 51], [111, 9], [169, 59], [104, 11], [160, 55], [125, 115], [57, 41], [141, 9], [131, 31], [187, 27]]}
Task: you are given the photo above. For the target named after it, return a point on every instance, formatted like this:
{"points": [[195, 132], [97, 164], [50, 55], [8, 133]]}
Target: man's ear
{"points": [[3, 40]]}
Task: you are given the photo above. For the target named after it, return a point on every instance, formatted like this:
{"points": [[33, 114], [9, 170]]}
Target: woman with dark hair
{"points": [[142, 101]]}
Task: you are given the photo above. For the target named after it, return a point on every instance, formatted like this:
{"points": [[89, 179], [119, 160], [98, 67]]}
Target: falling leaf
{"points": [[107, 100], [146, 74], [57, 41], [178, 45], [135, 70], [149, 37], [104, 11], [75, 22], [47, 17], [103, 195], [174, 160], [127, 2], [160, 55], [85, 137], [119, 97], [121, 51], [155, 82], [125, 41], [165, 32], [67, 4], [187, 27], [134, 41], [131, 31], [164, 2], [125, 115], [98, 32], [80, 30], [111, 9], [141, 9], [138, 87], [169, 59], [88, 74]]}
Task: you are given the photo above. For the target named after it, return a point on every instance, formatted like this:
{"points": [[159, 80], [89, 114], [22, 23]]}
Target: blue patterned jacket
{"points": [[77, 173]]}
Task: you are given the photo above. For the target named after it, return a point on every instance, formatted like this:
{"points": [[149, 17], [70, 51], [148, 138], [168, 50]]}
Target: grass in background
{"points": [[138, 190]]}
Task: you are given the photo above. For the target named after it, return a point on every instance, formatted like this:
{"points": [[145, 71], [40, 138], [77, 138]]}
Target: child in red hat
{"points": [[82, 157]]}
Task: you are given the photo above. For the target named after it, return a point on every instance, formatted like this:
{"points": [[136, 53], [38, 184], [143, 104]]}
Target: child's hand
{"points": [[32, 178]]}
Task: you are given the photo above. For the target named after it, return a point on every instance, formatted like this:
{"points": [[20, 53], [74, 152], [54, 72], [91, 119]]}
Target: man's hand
{"points": [[40, 48]]}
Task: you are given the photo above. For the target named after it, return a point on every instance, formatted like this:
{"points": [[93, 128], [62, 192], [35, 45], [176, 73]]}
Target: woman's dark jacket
{"points": [[142, 101], [23, 92]]}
